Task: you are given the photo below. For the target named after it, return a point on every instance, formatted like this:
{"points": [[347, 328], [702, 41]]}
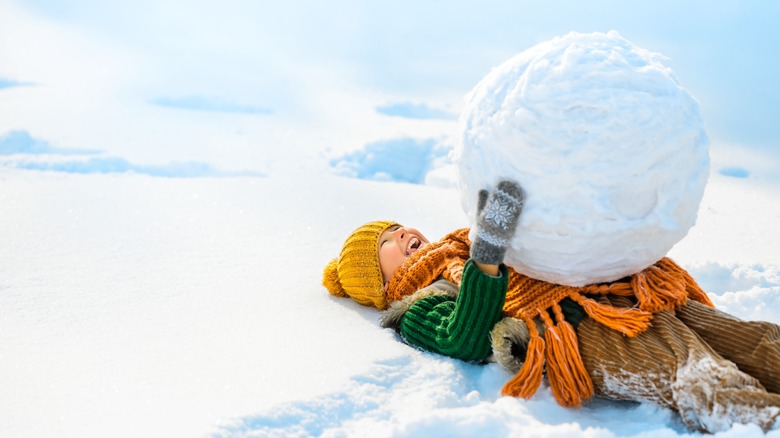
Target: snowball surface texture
{"points": [[610, 149]]}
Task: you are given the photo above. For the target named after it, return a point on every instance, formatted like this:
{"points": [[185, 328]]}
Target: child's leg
{"points": [[670, 365], [754, 346]]}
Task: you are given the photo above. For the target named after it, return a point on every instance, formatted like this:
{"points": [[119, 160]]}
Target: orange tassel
{"points": [[695, 292], [660, 287], [527, 381], [569, 381], [628, 321]]}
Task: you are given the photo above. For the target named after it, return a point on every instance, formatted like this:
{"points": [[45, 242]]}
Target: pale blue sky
{"points": [[258, 53]]}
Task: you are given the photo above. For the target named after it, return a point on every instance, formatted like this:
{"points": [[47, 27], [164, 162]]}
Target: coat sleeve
{"points": [[459, 328]]}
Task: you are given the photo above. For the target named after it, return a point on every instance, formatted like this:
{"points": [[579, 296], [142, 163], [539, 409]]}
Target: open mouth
{"points": [[413, 245]]}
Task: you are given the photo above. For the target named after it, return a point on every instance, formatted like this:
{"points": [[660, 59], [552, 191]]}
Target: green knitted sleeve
{"points": [[572, 312], [459, 328]]}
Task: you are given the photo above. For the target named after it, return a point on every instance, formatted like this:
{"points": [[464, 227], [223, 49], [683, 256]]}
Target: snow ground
{"points": [[134, 305]]}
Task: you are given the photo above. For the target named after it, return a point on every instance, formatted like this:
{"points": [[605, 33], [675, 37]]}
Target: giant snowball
{"points": [[609, 147]]}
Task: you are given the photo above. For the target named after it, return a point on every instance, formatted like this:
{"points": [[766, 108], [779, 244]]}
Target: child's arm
{"points": [[459, 328], [488, 269], [462, 328]]}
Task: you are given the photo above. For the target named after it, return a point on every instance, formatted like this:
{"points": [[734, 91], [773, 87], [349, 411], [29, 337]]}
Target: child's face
{"points": [[395, 245]]}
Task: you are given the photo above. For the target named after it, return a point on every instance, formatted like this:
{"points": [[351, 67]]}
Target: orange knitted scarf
{"points": [[662, 286]]}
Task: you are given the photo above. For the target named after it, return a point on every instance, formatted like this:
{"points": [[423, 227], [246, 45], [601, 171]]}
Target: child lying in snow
{"points": [[457, 298]]}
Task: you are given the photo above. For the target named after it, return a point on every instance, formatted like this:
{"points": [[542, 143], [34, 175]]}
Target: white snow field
{"points": [[174, 176], [133, 305]]}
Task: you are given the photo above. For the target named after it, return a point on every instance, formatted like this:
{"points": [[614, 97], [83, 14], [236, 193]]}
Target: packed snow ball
{"points": [[610, 149]]}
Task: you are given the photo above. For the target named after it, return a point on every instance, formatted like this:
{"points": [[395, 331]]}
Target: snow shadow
{"points": [[21, 142], [203, 103], [403, 160], [188, 169], [8, 83], [29, 153], [368, 399], [735, 172], [428, 395], [412, 110]]}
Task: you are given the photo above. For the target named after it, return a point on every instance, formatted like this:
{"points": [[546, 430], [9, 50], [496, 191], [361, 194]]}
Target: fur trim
{"points": [[510, 338], [391, 318]]}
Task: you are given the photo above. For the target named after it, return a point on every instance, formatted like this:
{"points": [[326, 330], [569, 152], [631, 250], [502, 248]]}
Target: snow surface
{"points": [[174, 177], [610, 149], [133, 305]]}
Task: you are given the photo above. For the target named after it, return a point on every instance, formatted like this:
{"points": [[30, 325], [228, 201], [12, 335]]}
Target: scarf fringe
{"points": [[666, 286], [628, 321], [694, 291], [657, 290], [569, 380], [527, 381]]}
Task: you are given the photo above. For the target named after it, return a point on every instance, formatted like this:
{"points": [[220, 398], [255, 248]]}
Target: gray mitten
{"points": [[497, 217]]}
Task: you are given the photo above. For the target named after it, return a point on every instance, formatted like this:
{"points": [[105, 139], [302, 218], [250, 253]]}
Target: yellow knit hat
{"points": [[356, 273]]}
